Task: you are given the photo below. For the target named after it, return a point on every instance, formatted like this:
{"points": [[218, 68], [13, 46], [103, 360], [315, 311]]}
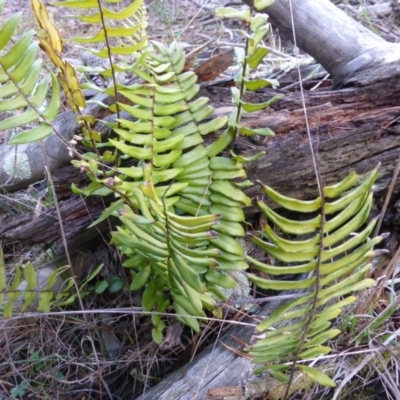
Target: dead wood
{"points": [[43, 226], [219, 365], [353, 56], [221, 371], [351, 129]]}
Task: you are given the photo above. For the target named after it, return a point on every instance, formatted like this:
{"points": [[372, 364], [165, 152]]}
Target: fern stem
{"points": [[112, 72], [321, 230], [242, 86], [26, 98]]}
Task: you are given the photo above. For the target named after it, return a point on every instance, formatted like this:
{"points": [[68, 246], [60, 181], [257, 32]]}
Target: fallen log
{"points": [[223, 372], [351, 129]]}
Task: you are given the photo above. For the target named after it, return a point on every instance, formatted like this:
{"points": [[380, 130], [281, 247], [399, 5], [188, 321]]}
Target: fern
{"points": [[300, 328], [330, 264], [120, 36], [173, 176], [249, 58], [116, 31], [31, 292], [21, 88]]}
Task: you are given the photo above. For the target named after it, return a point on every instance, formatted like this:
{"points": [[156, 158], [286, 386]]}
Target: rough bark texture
{"points": [[76, 214], [352, 129]]}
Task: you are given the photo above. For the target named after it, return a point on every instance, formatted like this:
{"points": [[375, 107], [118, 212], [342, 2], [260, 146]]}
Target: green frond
{"points": [[23, 94], [257, 29], [178, 208], [120, 32], [171, 248], [32, 292], [330, 263]]}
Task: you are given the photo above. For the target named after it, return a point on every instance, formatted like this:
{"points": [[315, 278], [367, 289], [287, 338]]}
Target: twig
{"points": [[387, 198]]}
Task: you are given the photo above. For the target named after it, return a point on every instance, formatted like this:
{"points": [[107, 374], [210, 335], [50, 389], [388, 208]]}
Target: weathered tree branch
{"points": [[351, 53]]}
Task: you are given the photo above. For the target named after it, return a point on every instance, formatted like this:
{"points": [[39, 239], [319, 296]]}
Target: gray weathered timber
{"points": [[351, 129], [350, 52], [26, 162], [217, 366], [222, 368]]}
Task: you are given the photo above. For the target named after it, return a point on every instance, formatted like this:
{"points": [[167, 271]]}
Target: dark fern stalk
{"points": [[114, 80], [242, 87], [314, 305]]}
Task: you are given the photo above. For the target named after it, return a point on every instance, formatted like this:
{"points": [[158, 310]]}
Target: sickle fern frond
{"points": [[171, 248], [120, 32], [177, 207], [23, 93], [248, 59], [330, 265]]}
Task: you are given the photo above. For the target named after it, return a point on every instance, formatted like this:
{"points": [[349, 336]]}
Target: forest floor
{"points": [[55, 358]]}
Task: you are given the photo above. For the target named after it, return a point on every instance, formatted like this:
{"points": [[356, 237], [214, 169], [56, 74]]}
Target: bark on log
{"points": [[352, 129], [43, 227], [351, 53]]}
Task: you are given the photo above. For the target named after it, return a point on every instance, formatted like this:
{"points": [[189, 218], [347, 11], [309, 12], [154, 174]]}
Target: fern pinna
{"points": [[331, 258]]}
